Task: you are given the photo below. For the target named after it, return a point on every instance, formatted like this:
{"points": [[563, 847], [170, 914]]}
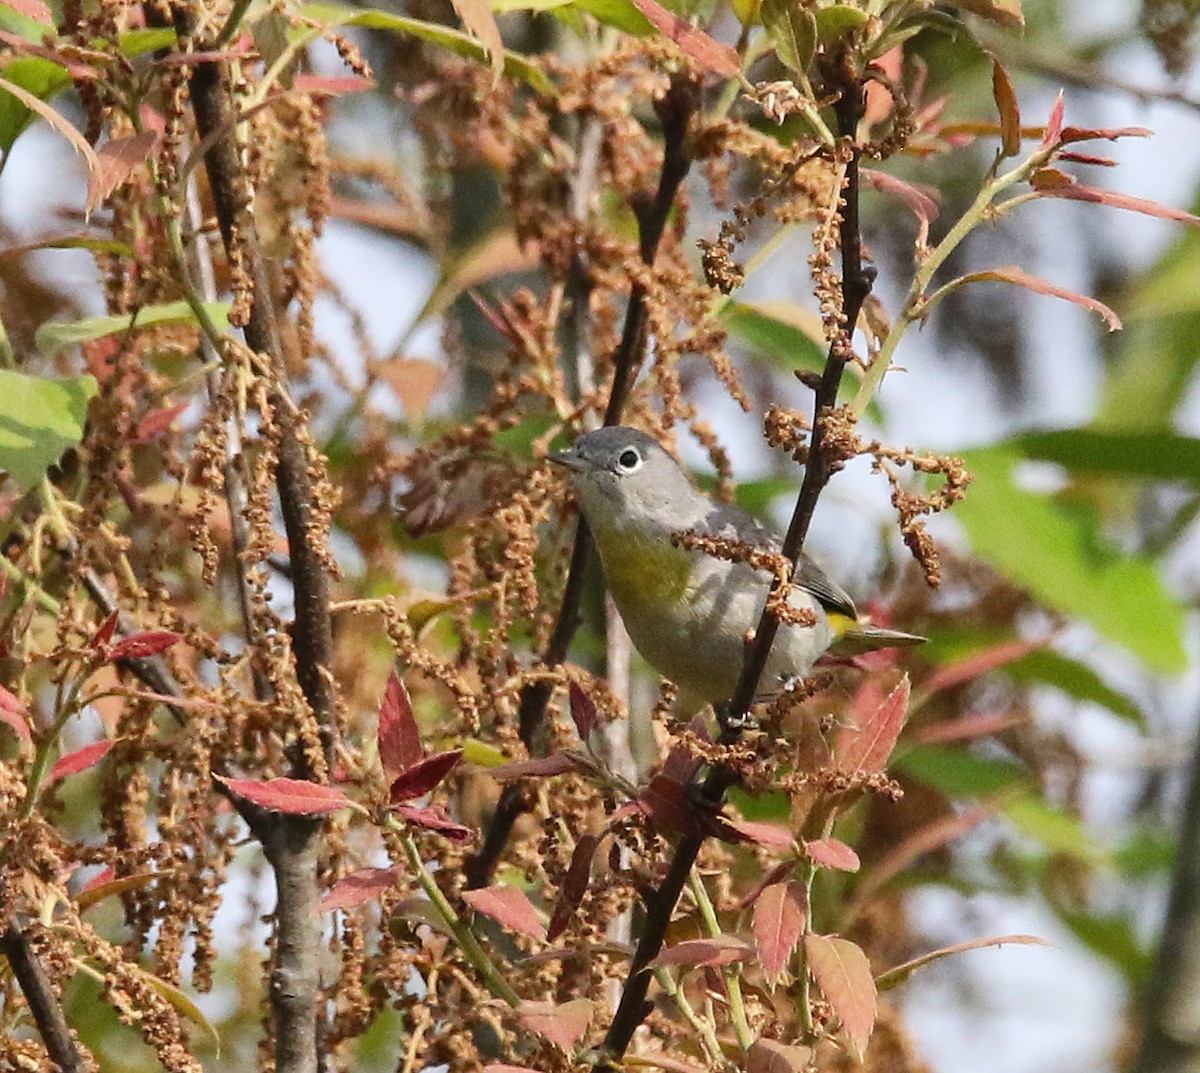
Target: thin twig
{"points": [[676, 110], [38, 990]]}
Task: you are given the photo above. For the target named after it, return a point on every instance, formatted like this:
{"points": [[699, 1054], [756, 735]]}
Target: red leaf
{"points": [[779, 916], [508, 906], [105, 886], [35, 10], [965, 670], [1091, 134], [574, 885], [105, 875], [296, 797], [80, 759], [563, 1025], [141, 645], [667, 804], [331, 85], [718, 950], [919, 203], [554, 764], [1079, 192], [764, 834], [1013, 274], [1010, 112], [423, 776], [844, 976], [118, 159], [18, 724], [868, 746], [968, 727], [104, 634], [434, 819], [710, 54], [399, 737], [771, 1056], [1053, 130], [900, 973], [1088, 158], [157, 422], [831, 853], [357, 888], [583, 710], [14, 714]]}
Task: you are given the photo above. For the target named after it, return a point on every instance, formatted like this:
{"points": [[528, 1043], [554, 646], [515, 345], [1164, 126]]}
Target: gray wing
{"points": [[729, 521]]}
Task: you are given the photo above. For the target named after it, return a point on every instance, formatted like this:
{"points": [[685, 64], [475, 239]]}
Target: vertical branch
{"points": [[290, 842], [856, 284], [38, 990], [675, 110]]}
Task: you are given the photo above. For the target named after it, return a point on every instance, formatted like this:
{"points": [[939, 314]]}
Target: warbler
{"points": [[688, 612]]}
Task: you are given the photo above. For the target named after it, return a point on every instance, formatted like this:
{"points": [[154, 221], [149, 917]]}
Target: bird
{"points": [[687, 612]]}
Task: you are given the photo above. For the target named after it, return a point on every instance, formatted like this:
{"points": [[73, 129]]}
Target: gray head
{"points": [[625, 478]]}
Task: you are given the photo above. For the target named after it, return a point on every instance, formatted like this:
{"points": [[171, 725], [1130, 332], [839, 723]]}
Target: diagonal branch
{"points": [[856, 285], [675, 109], [38, 990]]}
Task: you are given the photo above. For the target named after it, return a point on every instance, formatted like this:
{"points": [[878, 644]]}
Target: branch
{"points": [[856, 285], [675, 110], [38, 990], [289, 841]]}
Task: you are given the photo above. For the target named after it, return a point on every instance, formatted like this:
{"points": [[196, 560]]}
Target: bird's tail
{"points": [[853, 638]]}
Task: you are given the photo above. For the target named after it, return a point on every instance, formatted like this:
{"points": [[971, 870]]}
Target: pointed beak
{"points": [[568, 459]]}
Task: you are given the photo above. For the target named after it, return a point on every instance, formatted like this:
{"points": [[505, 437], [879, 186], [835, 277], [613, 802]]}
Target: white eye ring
{"points": [[629, 460]]}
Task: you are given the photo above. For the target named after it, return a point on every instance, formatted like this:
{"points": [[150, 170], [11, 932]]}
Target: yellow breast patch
{"points": [[643, 572]]}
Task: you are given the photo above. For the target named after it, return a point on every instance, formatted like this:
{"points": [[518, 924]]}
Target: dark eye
{"points": [[629, 460]]}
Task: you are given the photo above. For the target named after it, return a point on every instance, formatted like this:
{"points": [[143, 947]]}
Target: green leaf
{"points": [[1061, 557], [1076, 679], [1112, 937], [42, 78], [837, 20], [518, 440], [793, 32], [1147, 853], [39, 420], [1058, 831], [959, 773], [461, 44], [57, 335], [770, 332], [1002, 12], [1153, 454], [620, 14], [15, 22], [138, 42]]}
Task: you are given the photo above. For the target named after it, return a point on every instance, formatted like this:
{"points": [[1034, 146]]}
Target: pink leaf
{"points": [[35, 10], [709, 54], [105, 886], [1090, 134], [434, 819], [844, 976], [399, 737], [563, 1025], [1079, 192], [141, 645], [771, 1056], [118, 159], [868, 746], [574, 885], [965, 670], [501, 1067], [80, 759], [1054, 123], [1013, 274], [296, 797], [901, 973], [508, 906], [554, 764], [968, 727], [764, 834], [919, 203], [357, 888], [779, 916], [831, 853], [14, 714], [583, 710], [331, 85], [423, 776], [718, 950], [104, 633], [157, 422]]}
